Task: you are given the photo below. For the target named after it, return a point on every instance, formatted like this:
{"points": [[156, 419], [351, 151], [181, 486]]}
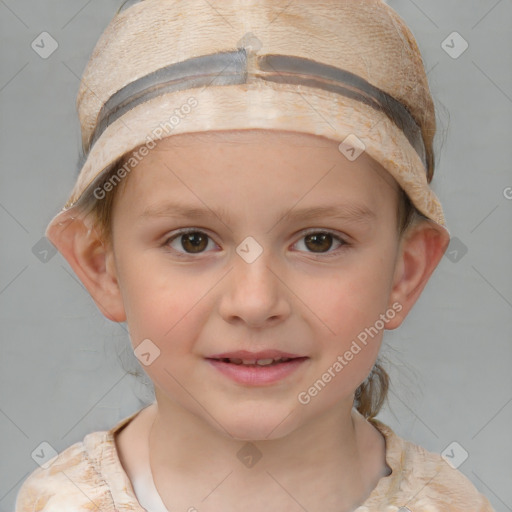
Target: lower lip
{"points": [[257, 375]]}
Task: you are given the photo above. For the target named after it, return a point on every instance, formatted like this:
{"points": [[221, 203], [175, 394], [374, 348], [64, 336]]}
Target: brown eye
{"points": [[319, 242], [194, 242], [189, 242]]}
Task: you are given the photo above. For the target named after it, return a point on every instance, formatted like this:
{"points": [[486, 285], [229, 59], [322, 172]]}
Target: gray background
{"points": [[450, 362]]}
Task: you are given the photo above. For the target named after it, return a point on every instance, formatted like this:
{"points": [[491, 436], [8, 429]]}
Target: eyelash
{"points": [[177, 234]]}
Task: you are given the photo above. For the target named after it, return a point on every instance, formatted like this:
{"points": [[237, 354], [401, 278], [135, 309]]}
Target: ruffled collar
{"points": [[106, 455]]}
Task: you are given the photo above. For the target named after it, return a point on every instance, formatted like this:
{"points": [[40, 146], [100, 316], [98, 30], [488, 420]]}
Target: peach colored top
{"points": [[88, 476]]}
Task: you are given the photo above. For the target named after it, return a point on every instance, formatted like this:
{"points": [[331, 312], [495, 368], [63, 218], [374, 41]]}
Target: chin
{"points": [[258, 423]]}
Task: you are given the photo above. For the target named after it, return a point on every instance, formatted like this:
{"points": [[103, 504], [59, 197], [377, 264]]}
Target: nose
{"points": [[254, 294]]}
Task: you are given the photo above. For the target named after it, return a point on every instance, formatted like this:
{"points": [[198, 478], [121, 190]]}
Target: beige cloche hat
{"points": [[347, 70]]}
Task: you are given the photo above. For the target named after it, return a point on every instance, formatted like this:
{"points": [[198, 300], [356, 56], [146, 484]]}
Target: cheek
{"points": [[351, 297], [162, 303], [350, 303]]}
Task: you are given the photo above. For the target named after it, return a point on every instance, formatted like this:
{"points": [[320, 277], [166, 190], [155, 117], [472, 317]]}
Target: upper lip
{"points": [[262, 354]]}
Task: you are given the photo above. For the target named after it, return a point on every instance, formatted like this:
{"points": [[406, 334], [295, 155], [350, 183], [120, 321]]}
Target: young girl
{"points": [[254, 203]]}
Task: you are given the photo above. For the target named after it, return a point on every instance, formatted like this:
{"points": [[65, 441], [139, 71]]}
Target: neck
{"points": [[337, 457]]}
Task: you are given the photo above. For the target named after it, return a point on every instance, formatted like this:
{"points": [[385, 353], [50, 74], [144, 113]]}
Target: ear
{"points": [[91, 259], [421, 249]]}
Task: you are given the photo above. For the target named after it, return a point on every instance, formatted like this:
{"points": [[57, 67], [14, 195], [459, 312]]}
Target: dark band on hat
{"points": [[230, 68]]}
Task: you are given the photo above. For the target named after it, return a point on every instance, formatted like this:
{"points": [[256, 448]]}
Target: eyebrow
{"points": [[352, 212]]}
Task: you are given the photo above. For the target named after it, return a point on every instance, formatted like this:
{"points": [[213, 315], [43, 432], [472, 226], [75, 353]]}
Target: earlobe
{"points": [[420, 252], [90, 259]]}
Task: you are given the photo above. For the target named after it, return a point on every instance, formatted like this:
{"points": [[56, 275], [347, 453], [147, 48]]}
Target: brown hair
{"points": [[371, 395]]}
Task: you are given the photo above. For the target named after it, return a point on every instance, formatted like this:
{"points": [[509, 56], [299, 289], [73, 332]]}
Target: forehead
{"points": [[225, 160]]}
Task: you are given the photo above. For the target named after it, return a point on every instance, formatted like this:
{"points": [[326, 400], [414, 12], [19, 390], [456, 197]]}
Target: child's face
{"points": [[202, 296]]}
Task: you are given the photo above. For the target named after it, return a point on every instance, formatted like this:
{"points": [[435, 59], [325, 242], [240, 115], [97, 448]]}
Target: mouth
{"points": [[257, 368], [260, 358], [257, 362]]}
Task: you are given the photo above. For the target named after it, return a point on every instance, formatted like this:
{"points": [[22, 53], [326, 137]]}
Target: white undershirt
{"points": [[146, 492]]}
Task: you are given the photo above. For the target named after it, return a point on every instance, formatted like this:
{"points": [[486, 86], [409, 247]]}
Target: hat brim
{"points": [[269, 106]]}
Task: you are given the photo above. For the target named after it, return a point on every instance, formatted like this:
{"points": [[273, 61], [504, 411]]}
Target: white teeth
{"points": [[259, 362], [264, 362]]}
